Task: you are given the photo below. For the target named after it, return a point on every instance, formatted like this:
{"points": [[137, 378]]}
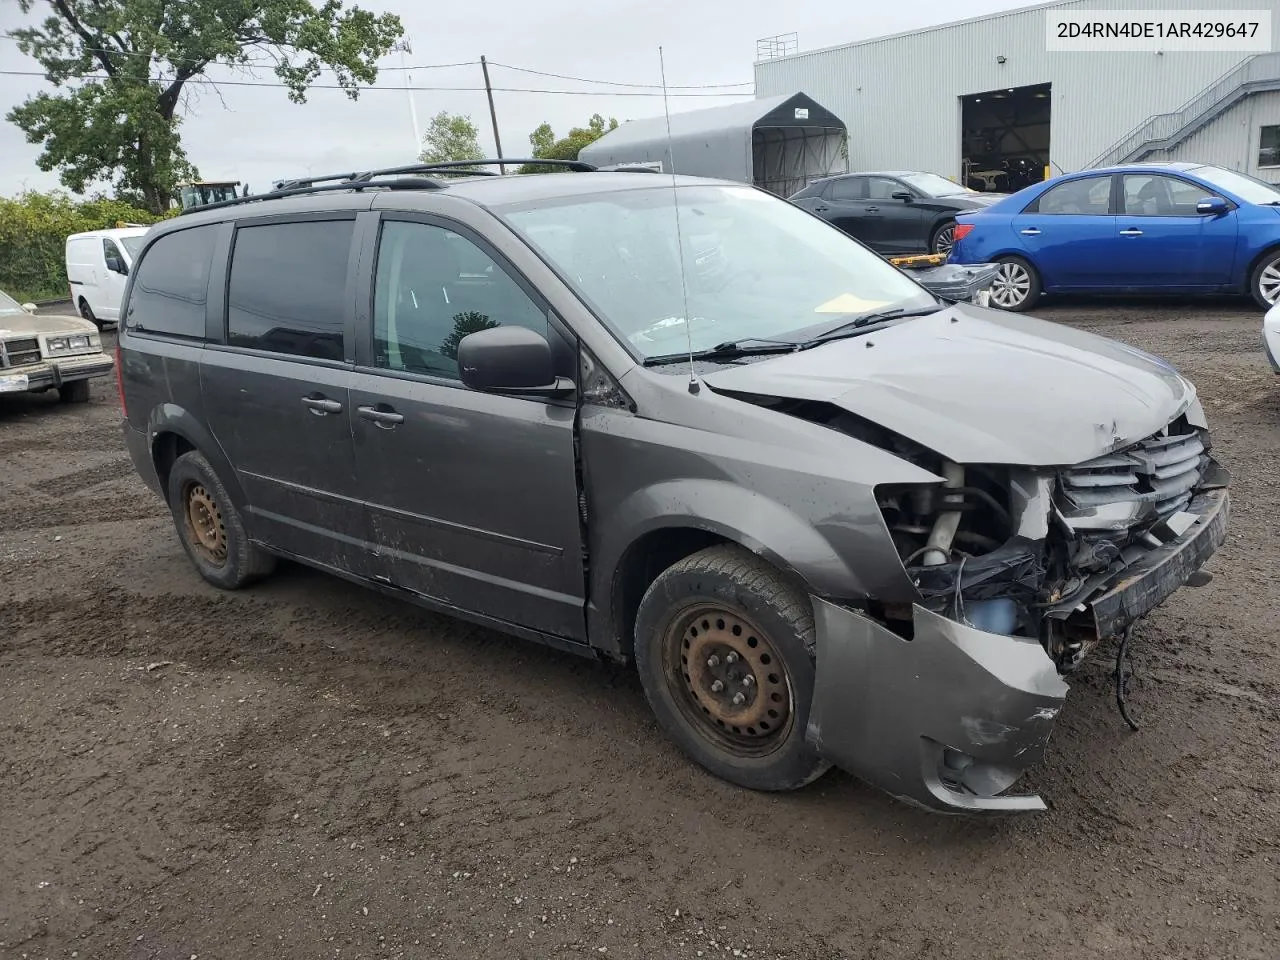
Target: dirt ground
{"points": [[308, 770]]}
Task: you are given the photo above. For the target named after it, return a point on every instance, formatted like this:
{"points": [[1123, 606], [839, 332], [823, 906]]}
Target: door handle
{"points": [[873, 209], [1131, 232], [382, 415], [821, 209], [321, 406], [1030, 232]]}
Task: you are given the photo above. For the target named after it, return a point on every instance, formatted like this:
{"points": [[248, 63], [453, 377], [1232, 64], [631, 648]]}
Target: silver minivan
{"points": [[831, 518]]}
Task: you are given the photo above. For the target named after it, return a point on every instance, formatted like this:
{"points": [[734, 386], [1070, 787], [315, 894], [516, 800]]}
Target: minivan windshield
{"points": [[755, 266], [1245, 187], [132, 245]]}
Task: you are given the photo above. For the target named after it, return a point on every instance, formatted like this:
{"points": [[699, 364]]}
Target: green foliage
{"points": [[133, 59], [547, 147], [33, 233], [465, 324], [450, 137]]}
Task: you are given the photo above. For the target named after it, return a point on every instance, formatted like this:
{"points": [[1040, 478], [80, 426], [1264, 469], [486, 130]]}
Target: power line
{"points": [[427, 66], [400, 89], [618, 83]]}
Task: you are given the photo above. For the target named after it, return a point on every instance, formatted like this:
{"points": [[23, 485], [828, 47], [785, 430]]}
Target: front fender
{"points": [[743, 516]]}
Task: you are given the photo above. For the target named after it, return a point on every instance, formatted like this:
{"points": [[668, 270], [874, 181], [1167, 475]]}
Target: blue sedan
{"points": [[1136, 228]]}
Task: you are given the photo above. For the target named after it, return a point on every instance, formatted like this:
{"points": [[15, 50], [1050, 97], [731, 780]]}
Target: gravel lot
{"points": [[308, 770]]}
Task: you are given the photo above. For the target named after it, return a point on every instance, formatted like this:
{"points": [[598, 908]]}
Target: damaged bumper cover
{"points": [[952, 718]]}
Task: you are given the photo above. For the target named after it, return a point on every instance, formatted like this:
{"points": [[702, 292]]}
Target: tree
{"points": [[465, 324], [547, 147], [123, 68], [450, 137]]}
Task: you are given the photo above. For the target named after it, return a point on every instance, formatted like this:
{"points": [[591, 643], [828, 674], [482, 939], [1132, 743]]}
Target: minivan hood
{"points": [[982, 386]]}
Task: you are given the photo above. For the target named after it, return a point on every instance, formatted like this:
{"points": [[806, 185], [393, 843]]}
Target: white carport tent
{"points": [[777, 143]]}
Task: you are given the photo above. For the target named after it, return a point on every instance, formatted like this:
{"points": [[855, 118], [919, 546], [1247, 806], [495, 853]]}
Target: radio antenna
{"points": [[694, 386]]}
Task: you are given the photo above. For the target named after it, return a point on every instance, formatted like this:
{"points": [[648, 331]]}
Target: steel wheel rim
{"points": [[1011, 286], [1269, 282], [705, 644], [945, 240], [206, 529]]}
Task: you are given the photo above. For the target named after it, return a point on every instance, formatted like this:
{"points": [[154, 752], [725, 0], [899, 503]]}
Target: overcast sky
{"points": [[256, 135]]}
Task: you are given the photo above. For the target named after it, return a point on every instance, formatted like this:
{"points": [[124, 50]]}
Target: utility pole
{"points": [[404, 46], [493, 115]]}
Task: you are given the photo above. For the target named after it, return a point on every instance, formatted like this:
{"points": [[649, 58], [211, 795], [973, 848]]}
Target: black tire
{"points": [[943, 232], [77, 391], [1016, 295], [86, 311], [237, 562], [1264, 282], [696, 607]]}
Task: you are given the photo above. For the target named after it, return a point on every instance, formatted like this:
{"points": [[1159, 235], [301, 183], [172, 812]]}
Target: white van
{"points": [[98, 263]]}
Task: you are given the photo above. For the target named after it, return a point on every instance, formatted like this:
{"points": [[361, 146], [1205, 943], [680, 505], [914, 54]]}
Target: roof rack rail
{"points": [[360, 180]]}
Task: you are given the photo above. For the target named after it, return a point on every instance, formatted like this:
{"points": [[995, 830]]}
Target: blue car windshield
{"points": [[1245, 187], [754, 266]]}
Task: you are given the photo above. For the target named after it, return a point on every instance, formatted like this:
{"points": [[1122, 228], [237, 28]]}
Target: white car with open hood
{"points": [[39, 353]]}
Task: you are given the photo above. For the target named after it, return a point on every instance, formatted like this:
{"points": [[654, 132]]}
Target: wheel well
{"points": [[1253, 265], [640, 566], [166, 449]]}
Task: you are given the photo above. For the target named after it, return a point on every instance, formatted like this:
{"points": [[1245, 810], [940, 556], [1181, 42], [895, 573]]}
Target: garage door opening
{"points": [[1005, 137]]}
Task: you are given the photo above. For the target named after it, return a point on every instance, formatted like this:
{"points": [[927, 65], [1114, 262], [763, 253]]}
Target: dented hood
{"points": [[982, 386]]}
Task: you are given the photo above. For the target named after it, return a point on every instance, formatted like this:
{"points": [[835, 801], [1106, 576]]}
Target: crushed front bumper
{"points": [[951, 719]]}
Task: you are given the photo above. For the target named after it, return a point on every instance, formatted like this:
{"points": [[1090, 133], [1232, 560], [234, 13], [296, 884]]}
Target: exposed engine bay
{"points": [[1023, 552]]}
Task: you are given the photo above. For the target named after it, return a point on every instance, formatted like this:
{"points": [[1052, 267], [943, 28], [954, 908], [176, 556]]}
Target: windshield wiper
{"points": [[728, 350], [865, 320]]}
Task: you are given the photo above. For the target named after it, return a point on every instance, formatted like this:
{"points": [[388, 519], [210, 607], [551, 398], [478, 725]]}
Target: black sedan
{"points": [[893, 213]]}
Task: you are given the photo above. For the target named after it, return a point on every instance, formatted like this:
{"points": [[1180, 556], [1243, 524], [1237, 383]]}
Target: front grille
{"points": [[1162, 471], [19, 352]]}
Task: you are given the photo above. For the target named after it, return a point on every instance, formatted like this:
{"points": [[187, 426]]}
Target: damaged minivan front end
{"points": [[948, 700], [946, 697]]}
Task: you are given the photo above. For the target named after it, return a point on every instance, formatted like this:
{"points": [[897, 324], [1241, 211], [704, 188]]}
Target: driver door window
{"points": [[432, 288], [878, 188], [109, 250]]}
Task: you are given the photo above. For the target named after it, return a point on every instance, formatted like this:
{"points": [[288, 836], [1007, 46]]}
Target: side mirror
{"points": [[1211, 207], [903, 195], [510, 360], [116, 265], [30, 307]]}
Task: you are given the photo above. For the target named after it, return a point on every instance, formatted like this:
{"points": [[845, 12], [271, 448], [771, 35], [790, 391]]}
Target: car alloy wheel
{"points": [[1269, 282], [945, 239], [1012, 285]]}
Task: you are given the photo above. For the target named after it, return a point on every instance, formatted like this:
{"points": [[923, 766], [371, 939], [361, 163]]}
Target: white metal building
{"points": [[983, 99]]}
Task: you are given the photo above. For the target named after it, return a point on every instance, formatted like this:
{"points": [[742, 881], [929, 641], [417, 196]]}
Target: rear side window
{"points": [[287, 292], [171, 284], [1090, 196], [850, 188]]}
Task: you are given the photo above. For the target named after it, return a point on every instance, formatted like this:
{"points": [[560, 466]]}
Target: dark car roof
{"points": [[483, 190]]}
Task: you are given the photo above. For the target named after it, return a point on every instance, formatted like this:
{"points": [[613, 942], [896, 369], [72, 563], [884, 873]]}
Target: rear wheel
{"points": [[944, 238], [1265, 282], [75, 392], [724, 648], [210, 527], [86, 311], [1016, 286]]}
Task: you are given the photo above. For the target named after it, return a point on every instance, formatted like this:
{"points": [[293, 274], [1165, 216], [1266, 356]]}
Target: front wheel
{"points": [[1265, 282], [724, 648], [77, 391], [86, 311], [944, 238], [1016, 286]]}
